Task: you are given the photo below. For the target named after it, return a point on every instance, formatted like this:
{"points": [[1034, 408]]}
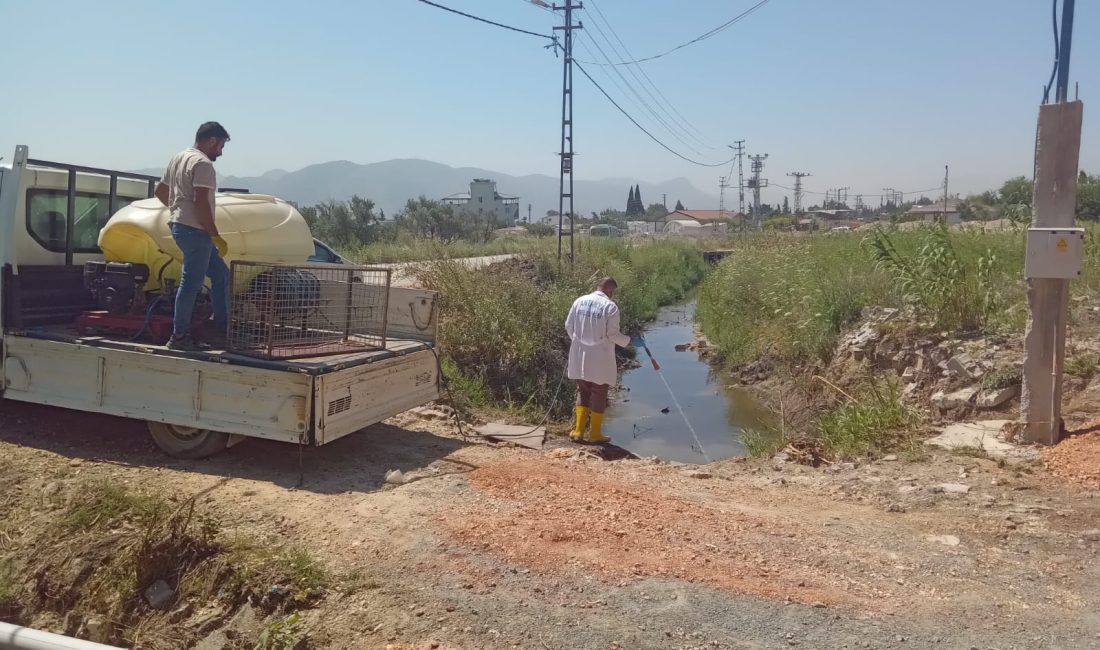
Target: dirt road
{"points": [[485, 546], [404, 273]]}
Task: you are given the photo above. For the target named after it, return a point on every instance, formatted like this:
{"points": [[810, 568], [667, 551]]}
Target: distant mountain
{"points": [[391, 183]]}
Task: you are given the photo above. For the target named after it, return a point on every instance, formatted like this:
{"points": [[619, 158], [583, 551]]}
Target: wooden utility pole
{"points": [[1057, 153]]}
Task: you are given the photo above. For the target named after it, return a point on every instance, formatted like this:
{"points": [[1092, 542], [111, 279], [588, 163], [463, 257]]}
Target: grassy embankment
{"points": [[502, 332], [87, 552], [787, 298]]}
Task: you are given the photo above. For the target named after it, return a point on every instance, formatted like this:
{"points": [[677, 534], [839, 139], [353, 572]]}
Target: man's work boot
{"points": [[582, 418], [182, 344], [594, 426]]}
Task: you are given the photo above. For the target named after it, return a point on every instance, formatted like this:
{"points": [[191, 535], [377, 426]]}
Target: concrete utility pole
{"points": [[739, 147], [798, 176], [946, 172], [567, 123], [756, 183], [1057, 155]]}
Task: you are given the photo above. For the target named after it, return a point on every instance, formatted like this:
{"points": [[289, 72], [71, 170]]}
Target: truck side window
{"points": [[46, 210]]}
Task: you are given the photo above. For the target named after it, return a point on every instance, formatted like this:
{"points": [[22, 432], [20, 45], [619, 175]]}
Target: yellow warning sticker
{"points": [[1062, 245]]}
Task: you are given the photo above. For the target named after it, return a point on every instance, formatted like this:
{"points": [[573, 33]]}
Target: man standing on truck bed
{"points": [[188, 188]]}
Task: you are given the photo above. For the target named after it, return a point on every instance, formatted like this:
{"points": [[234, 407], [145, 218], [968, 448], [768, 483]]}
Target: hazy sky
{"points": [[860, 93]]}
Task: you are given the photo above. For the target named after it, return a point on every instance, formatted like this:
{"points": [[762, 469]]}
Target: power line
{"points": [[545, 7], [865, 194], [1054, 70], [642, 128], [641, 101], [460, 13], [703, 37], [683, 122]]}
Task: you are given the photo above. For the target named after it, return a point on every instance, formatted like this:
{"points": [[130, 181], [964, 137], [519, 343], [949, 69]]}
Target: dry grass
{"points": [[99, 553]]}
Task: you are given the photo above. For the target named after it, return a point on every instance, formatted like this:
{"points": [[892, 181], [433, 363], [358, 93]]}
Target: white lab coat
{"points": [[593, 329]]}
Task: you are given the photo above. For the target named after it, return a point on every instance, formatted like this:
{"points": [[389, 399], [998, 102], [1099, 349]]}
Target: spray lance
{"points": [[639, 342]]}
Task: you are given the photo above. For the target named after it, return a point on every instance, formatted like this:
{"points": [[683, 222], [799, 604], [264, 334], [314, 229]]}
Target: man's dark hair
{"points": [[608, 281], [211, 130]]}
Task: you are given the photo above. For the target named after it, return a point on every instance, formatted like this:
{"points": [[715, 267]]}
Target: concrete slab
{"points": [[986, 435], [521, 435]]}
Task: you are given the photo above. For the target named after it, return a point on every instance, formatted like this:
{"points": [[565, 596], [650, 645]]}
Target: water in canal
{"points": [[644, 419]]}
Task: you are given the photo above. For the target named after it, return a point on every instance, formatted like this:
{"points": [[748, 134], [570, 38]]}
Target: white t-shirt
{"points": [[187, 170]]}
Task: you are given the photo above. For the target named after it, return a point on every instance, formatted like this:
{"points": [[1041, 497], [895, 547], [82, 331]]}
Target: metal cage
{"points": [[287, 311]]}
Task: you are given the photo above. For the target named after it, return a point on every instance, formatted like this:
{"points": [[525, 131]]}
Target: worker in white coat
{"points": [[593, 329]]}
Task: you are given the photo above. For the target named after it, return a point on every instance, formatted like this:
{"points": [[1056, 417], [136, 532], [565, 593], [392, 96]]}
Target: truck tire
{"points": [[187, 442]]}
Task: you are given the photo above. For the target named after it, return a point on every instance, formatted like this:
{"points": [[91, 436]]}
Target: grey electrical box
{"points": [[1054, 253]]}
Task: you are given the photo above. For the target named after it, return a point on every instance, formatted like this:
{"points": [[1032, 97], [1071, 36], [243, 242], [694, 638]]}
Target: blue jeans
{"points": [[200, 261]]}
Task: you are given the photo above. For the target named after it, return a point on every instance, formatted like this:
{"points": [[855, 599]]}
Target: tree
{"points": [[639, 207], [437, 221], [786, 206], [680, 206], [616, 218], [1017, 191], [343, 223], [630, 201], [655, 212], [1088, 197]]}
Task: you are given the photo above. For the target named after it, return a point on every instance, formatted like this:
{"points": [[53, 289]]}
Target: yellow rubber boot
{"points": [[582, 418], [596, 423]]}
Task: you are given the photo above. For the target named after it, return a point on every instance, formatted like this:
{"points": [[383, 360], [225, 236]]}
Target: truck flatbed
{"points": [[318, 365]]}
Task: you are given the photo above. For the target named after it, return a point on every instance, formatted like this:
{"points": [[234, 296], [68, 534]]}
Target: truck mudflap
{"points": [[348, 400]]}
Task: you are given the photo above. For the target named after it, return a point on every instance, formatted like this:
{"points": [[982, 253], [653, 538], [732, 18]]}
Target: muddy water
{"points": [[637, 419]]}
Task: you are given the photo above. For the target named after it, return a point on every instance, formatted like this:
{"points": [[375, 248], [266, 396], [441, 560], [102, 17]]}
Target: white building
{"points": [[690, 228], [484, 201], [941, 212]]}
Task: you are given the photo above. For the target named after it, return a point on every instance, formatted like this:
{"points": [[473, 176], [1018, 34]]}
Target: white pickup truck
{"points": [[195, 404]]}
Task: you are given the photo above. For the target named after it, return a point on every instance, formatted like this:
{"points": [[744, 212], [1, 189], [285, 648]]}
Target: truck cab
{"points": [[195, 403]]}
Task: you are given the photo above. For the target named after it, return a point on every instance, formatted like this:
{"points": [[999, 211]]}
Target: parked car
{"points": [[324, 254], [605, 230]]}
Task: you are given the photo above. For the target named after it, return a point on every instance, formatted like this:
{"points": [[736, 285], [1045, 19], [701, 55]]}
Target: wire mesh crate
{"points": [[288, 311]]}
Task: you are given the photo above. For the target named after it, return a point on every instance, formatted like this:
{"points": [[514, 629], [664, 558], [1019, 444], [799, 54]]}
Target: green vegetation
{"points": [[1003, 378], [502, 332], [786, 295], [407, 248], [105, 505], [1083, 365], [877, 421], [281, 633], [949, 279], [762, 443], [790, 296]]}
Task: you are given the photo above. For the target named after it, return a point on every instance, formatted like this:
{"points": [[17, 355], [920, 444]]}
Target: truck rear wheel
{"points": [[187, 442]]}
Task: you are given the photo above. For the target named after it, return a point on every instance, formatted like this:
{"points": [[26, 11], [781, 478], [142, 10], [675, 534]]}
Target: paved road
{"points": [[404, 273]]}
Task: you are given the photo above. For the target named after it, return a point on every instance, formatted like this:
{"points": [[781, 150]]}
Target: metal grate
{"points": [[286, 311]]}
